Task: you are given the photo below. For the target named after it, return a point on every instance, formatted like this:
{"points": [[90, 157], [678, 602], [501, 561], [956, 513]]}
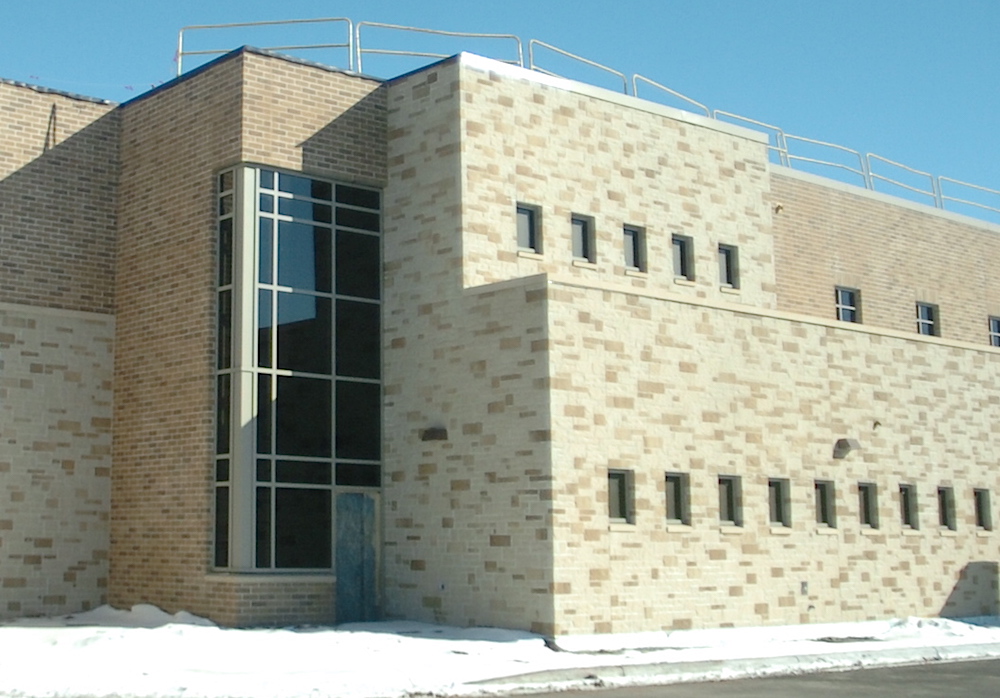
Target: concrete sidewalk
{"points": [[654, 673]]}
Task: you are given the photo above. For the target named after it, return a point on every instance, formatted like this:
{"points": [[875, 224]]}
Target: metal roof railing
{"points": [[360, 50], [983, 201], [218, 52]]}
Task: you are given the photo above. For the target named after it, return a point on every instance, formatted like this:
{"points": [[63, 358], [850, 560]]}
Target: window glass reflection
{"points": [[304, 256]]}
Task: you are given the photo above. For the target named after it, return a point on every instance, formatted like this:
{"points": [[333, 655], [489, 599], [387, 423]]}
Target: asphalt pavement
{"points": [[934, 679]]}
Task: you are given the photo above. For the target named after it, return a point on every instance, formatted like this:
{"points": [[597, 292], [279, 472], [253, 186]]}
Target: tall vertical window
{"points": [[529, 234], [826, 512], [306, 366], [635, 248], [582, 229], [779, 502], [946, 508], [729, 266], [226, 184], [928, 322], [848, 302], [908, 506], [868, 504], [620, 496], [994, 324], [984, 514], [730, 500], [678, 498], [683, 249]]}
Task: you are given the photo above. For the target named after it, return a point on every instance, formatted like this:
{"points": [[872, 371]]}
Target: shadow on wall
{"points": [[977, 592]]}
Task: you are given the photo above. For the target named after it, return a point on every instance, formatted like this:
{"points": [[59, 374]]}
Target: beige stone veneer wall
{"points": [[466, 519], [55, 459], [721, 391], [609, 369]]}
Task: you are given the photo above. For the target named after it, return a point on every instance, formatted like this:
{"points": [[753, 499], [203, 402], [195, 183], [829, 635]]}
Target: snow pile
{"points": [[146, 652]]}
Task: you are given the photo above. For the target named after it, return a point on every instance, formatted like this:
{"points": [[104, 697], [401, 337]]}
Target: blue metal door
{"points": [[356, 565]]}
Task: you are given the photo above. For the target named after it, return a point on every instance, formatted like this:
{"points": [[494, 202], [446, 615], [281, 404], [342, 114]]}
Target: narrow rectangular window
{"points": [[729, 266], [620, 496], [946, 508], [730, 501], [683, 248], [848, 303], [908, 506], [984, 514], [868, 504], [995, 331], [678, 498], [635, 248], [927, 320], [779, 502], [826, 513], [583, 238], [528, 228]]}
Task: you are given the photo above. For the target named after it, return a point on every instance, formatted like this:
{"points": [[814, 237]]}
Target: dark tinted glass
{"points": [[303, 333], [302, 528], [221, 526], [358, 414], [263, 470], [297, 208], [302, 417], [264, 328], [357, 339], [267, 179], [222, 470], [358, 219], [266, 250], [359, 271], [267, 203], [225, 204], [222, 414], [263, 414], [358, 474], [303, 186], [226, 252], [226, 181], [304, 256], [225, 339], [353, 196], [263, 533], [306, 473]]}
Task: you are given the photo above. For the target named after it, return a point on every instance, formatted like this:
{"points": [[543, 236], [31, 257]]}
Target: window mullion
{"points": [[244, 383]]}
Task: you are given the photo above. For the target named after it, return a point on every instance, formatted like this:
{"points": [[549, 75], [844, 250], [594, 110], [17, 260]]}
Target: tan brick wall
{"points": [[245, 107], [55, 459], [323, 122], [896, 253], [58, 171], [719, 391]]}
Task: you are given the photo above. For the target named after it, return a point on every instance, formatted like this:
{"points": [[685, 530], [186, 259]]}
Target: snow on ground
{"points": [[145, 652]]}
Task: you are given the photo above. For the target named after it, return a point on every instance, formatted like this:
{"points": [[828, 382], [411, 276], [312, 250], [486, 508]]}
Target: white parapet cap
{"points": [[515, 72]]}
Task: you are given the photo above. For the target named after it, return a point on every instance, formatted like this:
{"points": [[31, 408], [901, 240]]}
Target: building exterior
{"points": [[282, 343]]}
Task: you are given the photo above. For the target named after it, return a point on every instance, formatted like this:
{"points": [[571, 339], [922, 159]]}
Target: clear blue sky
{"points": [[912, 80]]}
